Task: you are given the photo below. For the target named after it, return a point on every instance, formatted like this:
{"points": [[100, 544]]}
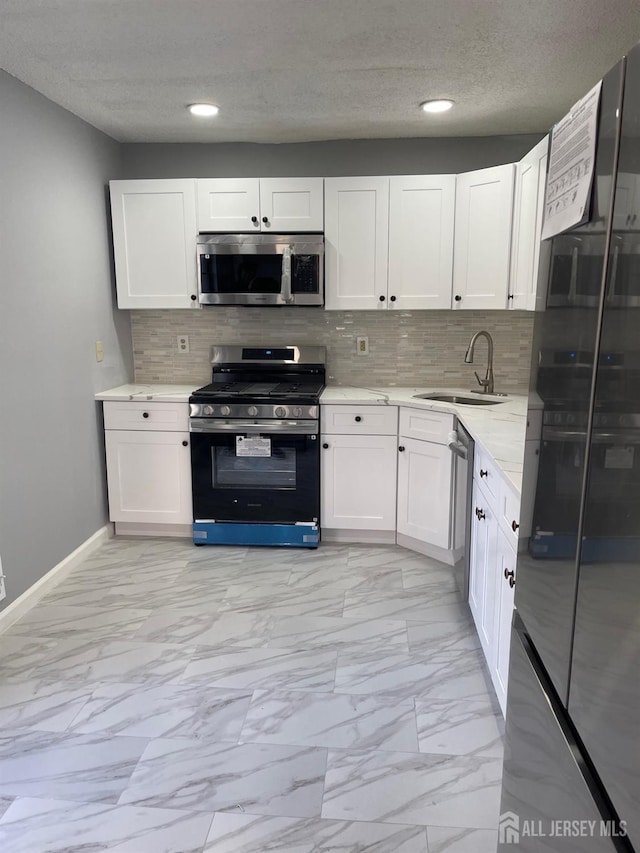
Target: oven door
{"points": [[259, 472]]}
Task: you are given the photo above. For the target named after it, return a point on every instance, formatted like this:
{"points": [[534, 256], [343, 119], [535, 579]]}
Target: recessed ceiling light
{"points": [[203, 110], [439, 106]]}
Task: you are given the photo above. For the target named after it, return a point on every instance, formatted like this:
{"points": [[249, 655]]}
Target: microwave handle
{"points": [[285, 285]]}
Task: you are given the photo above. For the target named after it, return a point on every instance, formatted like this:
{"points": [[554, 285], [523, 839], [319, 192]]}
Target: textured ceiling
{"points": [[298, 70]]}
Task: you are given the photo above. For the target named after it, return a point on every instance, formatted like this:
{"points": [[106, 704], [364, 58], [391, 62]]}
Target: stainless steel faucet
{"points": [[487, 382]]}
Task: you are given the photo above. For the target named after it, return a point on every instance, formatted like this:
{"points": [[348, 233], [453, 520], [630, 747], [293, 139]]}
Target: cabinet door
{"points": [[424, 491], [356, 242], [421, 218], [229, 204], [528, 210], [154, 242], [504, 565], [291, 204], [149, 476], [483, 574], [358, 484], [482, 246]]}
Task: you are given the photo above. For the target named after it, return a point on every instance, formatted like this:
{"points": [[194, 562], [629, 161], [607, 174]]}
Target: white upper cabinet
{"points": [[356, 242], [482, 248], [291, 204], [528, 210], [154, 242], [229, 204], [421, 221], [279, 205]]}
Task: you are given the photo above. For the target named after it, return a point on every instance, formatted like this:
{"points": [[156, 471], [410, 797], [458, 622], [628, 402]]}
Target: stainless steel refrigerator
{"points": [[572, 754]]}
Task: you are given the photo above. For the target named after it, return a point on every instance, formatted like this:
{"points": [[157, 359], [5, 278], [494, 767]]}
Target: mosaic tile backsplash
{"points": [[421, 348]]}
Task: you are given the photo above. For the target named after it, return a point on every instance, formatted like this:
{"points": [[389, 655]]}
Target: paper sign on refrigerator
{"points": [[571, 166]]}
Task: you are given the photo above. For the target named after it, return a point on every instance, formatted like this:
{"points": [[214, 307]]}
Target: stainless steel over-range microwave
{"points": [[261, 269]]}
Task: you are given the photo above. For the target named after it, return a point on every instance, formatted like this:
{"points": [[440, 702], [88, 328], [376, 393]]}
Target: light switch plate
{"points": [[99, 351]]}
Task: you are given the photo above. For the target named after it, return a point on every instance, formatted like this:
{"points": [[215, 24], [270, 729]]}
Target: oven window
{"points": [[277, 471], [241, 273]]}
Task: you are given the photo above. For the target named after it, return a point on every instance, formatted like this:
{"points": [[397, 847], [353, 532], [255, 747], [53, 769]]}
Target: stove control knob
{"points": [[281, 412], [208, 410], [297, 412], [253, 411], [225, 410]]}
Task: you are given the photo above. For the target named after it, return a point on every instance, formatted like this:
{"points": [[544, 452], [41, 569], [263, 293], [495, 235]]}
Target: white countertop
{"points": [[499, 429], [149, 392]]}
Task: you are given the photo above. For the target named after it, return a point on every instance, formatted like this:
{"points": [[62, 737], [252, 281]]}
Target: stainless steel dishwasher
{"points": [[461, 445]]}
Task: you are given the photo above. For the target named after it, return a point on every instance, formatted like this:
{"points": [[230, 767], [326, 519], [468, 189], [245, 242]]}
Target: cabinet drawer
{"points": [[170, 417], [509, 511], [353, 420], [486, 472], [426, 425]]}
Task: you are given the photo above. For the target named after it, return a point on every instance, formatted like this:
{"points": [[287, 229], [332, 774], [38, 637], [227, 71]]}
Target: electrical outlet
{"points": [[99, 351], [362, 345], [183, 343]]}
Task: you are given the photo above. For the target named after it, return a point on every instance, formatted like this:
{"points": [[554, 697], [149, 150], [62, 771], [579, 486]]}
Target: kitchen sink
{"points": [[460, 399]]}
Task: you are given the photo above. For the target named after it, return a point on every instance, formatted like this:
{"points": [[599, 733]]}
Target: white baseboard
{"points": [[358, 537], [132, 528], [30, 597]]}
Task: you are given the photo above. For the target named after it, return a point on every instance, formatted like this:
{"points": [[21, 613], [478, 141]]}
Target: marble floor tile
{"points": [[433, 605], [332, 720], [254, 669], [284, 600], [197, 627], [122, 661], [85, 768], [429, 638], [413, 789], [243, 833], [429, 575], [445, 839], [448, 675], [222, 575], [334, 632], [58, 620], [176, 711], [254, 778], [59, 826], [43, 705], [459, 726], [371, 557], [19, 653], [5, 802], [106, 589]]}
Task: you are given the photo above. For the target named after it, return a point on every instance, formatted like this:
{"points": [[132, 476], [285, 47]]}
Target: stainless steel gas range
{"points": [[255, 447]]}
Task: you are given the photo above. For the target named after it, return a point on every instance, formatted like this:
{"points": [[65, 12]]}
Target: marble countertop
{"points": [[149, 392], [499, 429]]}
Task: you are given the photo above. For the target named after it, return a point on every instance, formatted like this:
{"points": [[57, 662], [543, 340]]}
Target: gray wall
{"points": [[55, 302], [324, 159]]}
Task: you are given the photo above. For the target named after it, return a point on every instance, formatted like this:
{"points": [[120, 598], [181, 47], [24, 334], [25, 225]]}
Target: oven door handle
{"points": [[211, 425]]}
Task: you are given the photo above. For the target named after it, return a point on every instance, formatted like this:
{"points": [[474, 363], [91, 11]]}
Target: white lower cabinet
{"points": [[424, 491], [505, 594], [492, 579], [358, 479], [148, 465], [149, 476], [482, 578]]}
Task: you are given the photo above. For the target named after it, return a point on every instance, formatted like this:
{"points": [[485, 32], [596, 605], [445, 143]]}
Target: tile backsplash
{"points": [[422, 348]]}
